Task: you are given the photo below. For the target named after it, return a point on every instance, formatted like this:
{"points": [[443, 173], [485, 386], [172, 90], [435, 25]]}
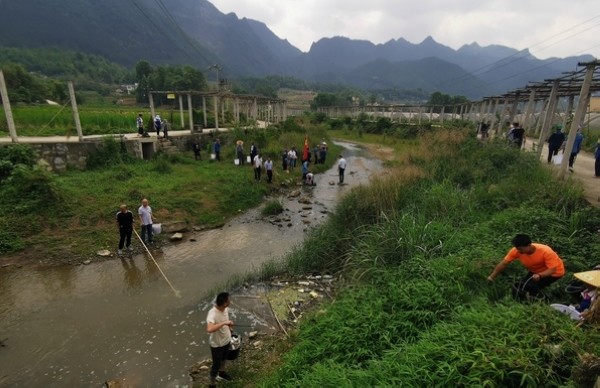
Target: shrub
{"points": [[110, 153], [272, 208]]}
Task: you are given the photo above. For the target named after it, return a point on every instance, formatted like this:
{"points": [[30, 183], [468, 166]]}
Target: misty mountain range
{"points": [[195, 32]]}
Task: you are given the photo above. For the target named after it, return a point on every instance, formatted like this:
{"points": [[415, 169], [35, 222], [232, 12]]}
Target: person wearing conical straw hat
{"points": [[591, 280]]}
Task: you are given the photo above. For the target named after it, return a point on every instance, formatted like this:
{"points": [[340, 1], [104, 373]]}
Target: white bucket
{"points": [[156, 228], [236, 162], [248, 160], [557, 159], [213, 156]]}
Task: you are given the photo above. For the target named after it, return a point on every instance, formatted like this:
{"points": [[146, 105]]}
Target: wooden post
{"points": [[584, 95], [191, 112], [182, 119], [552, 103], [75, 110], [12, 130]]}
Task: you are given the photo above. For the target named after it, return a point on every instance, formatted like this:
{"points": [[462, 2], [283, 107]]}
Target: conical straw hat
{"points": [[589, 277]]}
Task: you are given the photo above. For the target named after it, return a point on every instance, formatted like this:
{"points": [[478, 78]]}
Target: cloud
{"points": [[554, 28]]}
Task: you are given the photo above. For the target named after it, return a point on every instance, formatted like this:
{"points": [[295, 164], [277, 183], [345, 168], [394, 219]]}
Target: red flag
{"points": [[305, 151]]}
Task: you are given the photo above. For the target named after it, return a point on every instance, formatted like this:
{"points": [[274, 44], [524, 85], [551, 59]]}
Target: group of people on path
{"points": [[158, 124], [557, 142]]}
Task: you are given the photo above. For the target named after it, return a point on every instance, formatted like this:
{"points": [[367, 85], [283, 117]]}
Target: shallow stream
{"points": [[118, 319]]}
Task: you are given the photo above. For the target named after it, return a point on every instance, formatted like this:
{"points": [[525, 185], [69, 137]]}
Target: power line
{"points": [[480, 70], [158, 27], [185, 35]]}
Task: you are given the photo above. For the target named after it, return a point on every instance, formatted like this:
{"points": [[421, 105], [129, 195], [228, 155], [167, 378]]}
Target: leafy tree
{"points": [[439, 100]]}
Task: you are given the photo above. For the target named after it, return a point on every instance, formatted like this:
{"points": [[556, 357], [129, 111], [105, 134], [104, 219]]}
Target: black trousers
{"points": [[257, 173], [572, 159], [597, 166], [552, 152], [341, 172], [125, 234], [219, 355], [270, 174], [534, 287]]}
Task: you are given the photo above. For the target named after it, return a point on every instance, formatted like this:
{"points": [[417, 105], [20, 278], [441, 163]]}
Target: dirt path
{"points": [[583, 171]]}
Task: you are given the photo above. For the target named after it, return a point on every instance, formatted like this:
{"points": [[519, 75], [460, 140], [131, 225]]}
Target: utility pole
{"points": [[217, 69]]}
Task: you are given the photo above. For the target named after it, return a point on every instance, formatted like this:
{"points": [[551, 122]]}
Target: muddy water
{"points": [[118, 319]]}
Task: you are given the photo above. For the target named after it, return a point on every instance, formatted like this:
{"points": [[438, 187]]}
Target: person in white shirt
{"points": [[257, 166], [145, 213], [218, 325], [341, 168], [269, 169]]}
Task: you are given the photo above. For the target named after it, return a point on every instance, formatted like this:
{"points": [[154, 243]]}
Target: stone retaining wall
{"points": [[60, 156]]}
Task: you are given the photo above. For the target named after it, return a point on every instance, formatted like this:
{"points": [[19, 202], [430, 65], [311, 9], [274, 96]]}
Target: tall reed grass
{"points": [[415, 249]]}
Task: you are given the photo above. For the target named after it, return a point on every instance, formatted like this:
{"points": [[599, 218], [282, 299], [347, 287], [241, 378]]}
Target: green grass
{"points": [[415, 249], [43, 120], [273, 207], [71, 214]]}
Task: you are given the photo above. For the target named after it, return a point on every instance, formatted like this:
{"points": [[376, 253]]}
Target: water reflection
{"points": [[83, 325], [132, 274]]}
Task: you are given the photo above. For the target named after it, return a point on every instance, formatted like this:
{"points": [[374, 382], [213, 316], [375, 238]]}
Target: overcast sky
{"points": [[549, 28]]}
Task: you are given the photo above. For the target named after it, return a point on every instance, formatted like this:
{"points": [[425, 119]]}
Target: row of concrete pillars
{"points": [[253, 108]]}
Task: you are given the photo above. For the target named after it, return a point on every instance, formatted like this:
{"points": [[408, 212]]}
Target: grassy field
{"points": [[47, 120], [64, 217], [415, 249]]}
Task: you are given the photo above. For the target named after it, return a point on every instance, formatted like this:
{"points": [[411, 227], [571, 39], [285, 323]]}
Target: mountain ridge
{"points": [[195, 32]]}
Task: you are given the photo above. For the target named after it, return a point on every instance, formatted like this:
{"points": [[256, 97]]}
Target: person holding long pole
{"points": [[145, 213]]}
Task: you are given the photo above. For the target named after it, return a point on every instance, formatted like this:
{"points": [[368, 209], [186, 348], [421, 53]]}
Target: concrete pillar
{"points": [[495, 104], [204, 113], [182, 119], [151, 100], [568, 111], [540, 118], [216, 102], [513, 109], [236, 109], [255, 109], [12, 130], [552, 103], [501, 119], [223, 105], [285, 111], [579, 117], [75, 110], [431, 114], [529, 109], [442, 116], [482, 109], [190, 112]]}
